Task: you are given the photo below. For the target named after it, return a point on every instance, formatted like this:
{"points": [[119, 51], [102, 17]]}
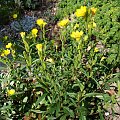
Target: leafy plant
{"points": [[64, 78]]}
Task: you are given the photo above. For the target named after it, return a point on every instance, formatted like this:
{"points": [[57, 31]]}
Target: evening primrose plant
{"points": [[45, 82]]}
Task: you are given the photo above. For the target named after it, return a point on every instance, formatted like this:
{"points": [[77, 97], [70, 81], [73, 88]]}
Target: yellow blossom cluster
{"points": [[93, 10], [76, 34], [63, 22], [39, 47], [6, 52], [34, 32], [41, 22], [81, 12], [9, 45]]}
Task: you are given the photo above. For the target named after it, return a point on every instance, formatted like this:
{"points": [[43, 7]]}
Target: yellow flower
{"points": [[96, 49], [76, 26], [22, 34], [50, 60], [93, 10], [39, 47], [11, 92], [41, 22], [86, 38], [94, 24], [63, 23], [2, 54], [103, 58], [5, 52], [9, 45], [77, 35], [81, 12], [14, 16], [34, 32]]}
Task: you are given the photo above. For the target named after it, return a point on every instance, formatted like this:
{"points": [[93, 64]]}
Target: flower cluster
{"points": [[6, 52], [11, 92], [41, 22], [93, 10], [34, 32], [63, 22], [81, 12], [76, 35], [39, 47]]}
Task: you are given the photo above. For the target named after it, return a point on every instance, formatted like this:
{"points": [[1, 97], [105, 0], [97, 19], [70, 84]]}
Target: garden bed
{"points": [[61, 62]]}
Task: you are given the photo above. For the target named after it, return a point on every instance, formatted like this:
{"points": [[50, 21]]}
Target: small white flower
{"points": [[107, 113]]}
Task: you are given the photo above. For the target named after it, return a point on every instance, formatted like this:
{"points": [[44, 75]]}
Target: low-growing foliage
{"points": [[64, 78]]}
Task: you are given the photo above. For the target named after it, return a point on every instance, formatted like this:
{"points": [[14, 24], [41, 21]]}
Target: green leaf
{"points": [[118, 84], [37, 111], [63, 117], [101, 116], [91, 95], [25, 99], [72, 95], [82, 112], [111, 58], [113, 79], [40, 99], [68, 111], [57, 108], [26, 46]]}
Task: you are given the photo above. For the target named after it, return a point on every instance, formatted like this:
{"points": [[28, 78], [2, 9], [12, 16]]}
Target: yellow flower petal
{"points": [[93, 10], [76, 35], [34, 32], [39, 47], [5, 52], [81, 12], [9, 45], [41, 22], [11, 92], [50, 60], [103, 58], [63, 23], [22, 34], [14, 16], [96, 49], [94, 24]]}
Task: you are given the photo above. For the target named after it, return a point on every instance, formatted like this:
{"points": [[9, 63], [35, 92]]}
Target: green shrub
{"points": [[108, 21], [68, 77]]}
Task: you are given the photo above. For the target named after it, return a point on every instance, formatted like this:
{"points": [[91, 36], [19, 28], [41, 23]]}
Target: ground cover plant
{"points": [[68, 77]]}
